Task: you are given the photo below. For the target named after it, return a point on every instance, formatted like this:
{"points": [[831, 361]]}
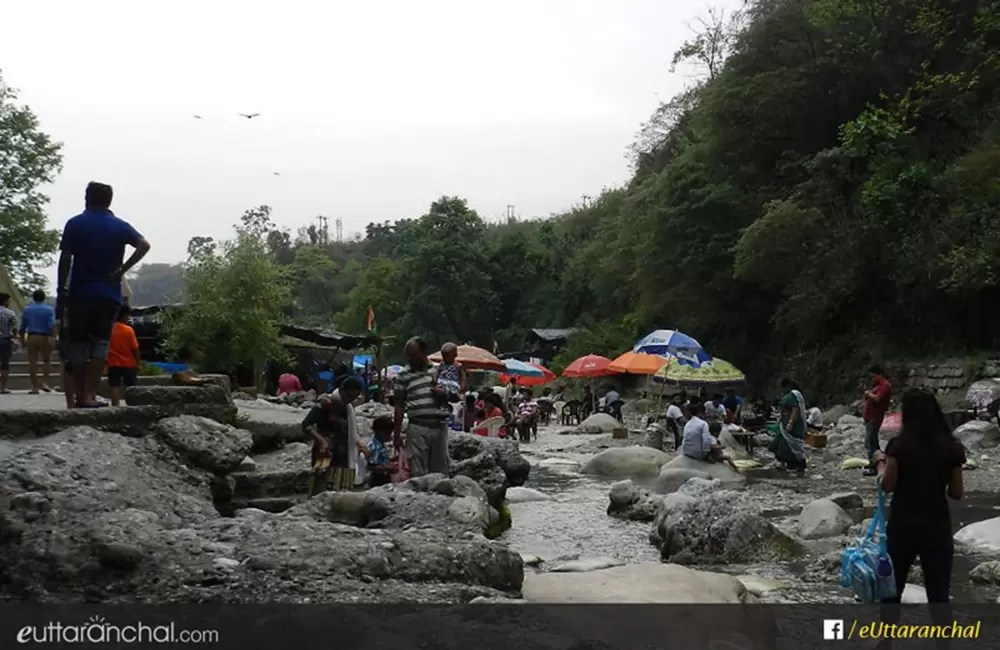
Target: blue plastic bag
{"points": [[865, 566]]}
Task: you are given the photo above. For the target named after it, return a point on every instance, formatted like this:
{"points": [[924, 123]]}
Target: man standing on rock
{"points": [[93, 246], [876, 404], [417, 397]]}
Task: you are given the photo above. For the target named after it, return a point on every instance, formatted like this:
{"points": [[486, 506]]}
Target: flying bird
{"points": [[249, 116], [277, 173], [197, 117]]}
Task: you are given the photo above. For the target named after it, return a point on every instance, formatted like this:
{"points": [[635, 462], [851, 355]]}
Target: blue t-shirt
{"points": [[38, 318], [96, 239]]}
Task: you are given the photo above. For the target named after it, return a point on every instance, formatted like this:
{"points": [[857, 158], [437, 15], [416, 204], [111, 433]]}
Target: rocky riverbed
{"points": [[188, 508]]}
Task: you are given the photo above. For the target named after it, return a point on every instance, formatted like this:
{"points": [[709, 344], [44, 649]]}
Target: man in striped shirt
{"points": [[8, 329], [417, 396]]}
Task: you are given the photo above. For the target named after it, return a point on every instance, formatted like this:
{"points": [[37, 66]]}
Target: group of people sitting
{"points": [[518, 408]]}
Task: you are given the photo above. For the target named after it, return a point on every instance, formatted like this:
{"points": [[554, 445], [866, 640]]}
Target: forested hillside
{"points": [[826, 195]]}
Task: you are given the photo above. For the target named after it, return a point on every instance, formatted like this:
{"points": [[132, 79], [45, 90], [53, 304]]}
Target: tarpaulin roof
{"points": [[329, 338], [552, 334]]}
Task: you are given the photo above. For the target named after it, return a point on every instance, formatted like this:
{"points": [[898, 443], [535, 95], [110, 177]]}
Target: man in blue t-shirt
{"points": [[90, 285]]}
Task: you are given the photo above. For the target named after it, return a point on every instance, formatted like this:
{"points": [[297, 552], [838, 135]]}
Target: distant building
{"points": [[543, 344]]}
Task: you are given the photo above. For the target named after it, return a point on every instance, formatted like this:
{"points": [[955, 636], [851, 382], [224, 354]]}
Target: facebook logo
{"points": [[833, 629]]}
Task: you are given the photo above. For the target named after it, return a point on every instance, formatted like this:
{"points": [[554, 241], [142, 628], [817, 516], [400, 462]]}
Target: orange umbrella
{"points": [[588, 367], [474, 358], [637, 363], [531, 381]]}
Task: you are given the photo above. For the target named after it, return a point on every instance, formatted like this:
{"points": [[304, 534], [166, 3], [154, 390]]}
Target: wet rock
{"points": [[208, 444], [848, 500], [483, 469], [632, 502], [987, 573], [681, 468], [506, 453], [531, 560], [559, 464], [166, 395], [587, 564], [597, 423], [983, 536], [823, 518], [720, 528], [136, 523], [525, 495], [824, 568], [759, 586], [626, 462], [636, 583], [978, 434]]}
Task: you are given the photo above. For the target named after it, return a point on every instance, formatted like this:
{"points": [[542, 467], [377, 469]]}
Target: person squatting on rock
{"points": [[334, 431], [922, 468], [425, 404], [90, 285], [698, 442], [876, 404], [788, 445]]}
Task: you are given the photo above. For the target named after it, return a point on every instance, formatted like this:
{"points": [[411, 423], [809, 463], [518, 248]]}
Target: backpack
{"points": [[865, 566]]}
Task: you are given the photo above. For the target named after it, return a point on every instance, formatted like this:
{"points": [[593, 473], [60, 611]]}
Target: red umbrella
{"points": [[531, 381], [588, 367]]}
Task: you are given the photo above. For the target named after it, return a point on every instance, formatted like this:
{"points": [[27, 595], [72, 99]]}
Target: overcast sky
{"points": [[369, 110]]}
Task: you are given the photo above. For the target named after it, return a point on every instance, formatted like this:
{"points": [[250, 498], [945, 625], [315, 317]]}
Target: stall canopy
{"points": [[329, 338]]}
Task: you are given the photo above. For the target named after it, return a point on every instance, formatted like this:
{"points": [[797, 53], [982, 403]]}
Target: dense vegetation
{"points": [[826, 195]]}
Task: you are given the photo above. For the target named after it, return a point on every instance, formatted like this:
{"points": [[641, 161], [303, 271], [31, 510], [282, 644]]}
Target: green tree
{"points": [[235, 295], [28, 160]]}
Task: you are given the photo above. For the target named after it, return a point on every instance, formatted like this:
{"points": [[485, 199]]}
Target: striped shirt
{"points": [[8, 323], [414, 388]]}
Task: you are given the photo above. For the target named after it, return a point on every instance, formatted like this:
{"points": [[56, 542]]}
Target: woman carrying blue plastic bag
{"points": [[922, 467]]}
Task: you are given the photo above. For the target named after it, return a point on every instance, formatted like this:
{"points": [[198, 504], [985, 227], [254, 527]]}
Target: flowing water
{"points": [[575, 522]]}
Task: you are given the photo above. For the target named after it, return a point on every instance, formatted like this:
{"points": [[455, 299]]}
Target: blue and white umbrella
{"points": [[521, 369], [679, 345]]}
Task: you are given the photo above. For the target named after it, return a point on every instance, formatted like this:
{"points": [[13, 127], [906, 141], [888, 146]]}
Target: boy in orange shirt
{"points": [[123, 357]]}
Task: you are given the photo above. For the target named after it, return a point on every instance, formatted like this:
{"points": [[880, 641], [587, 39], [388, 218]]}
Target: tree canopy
{"points": [[825, 194], [28, 159]]}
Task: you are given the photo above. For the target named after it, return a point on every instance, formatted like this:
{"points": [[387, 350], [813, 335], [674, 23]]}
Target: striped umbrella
{"points": [[522, 369], [673, 343], [545, 376]]}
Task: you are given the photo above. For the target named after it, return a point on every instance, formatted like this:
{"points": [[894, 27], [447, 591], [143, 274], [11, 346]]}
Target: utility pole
{"points": [[586, 201], [339, 224], [510, 212]]}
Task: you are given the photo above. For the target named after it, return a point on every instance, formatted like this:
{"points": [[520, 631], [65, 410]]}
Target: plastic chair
{"points": [[491, 427], [571, 411]]}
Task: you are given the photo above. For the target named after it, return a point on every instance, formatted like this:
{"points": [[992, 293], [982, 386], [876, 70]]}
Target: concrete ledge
{"points": [[135, 421], [166, 380], [168, 395]]}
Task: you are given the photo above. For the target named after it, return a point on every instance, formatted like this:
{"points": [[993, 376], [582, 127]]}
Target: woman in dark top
{"points": [[922, 467]]}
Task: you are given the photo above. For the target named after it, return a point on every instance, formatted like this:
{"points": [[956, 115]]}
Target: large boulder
{"points": [[719, 528], [834, 413], [166, 395], [987, 573], [276, 480], [626, 462], [525, 495], [633, 502], [983, 536], [484, 470], [211, 445], [978, 434], [271, 425], [507, 454], [598, 423], [92, 516], [823, 518], [681, 468], [135, 421], [635, 584]]}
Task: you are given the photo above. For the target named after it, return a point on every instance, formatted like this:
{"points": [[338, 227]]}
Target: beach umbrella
{"points": [[589, 367], [716, 372], [638, 363], [474, 358], [544, 376], [673, 343], [522, 369]]}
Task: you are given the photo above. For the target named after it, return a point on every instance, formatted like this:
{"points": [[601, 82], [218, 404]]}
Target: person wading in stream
{"points": [[418, 398], [922, 468]]}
